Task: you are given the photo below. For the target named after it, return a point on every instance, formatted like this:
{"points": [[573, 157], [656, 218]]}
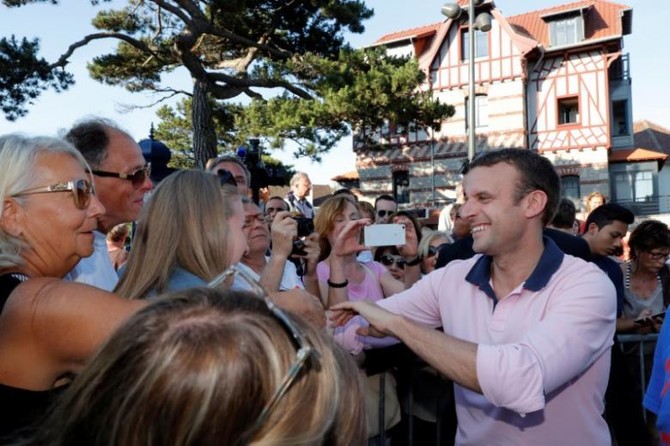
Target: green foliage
{"points": [[176, 131], [231, 48], [23, 76]]}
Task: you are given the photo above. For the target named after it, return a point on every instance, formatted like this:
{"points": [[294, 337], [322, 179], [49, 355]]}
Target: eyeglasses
{"points": [[432, 250], [304, 350], [388, 260], [658, 255], [136, 178], [382, 213], [225, 177], [81, 191]]}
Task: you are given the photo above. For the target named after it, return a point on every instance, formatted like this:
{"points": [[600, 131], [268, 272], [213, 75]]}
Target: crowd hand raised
{"points": [[302, 303], [347, 241], [283, 231], [380, 320]]}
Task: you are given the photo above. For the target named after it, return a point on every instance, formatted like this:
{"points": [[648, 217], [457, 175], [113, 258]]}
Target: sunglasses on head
{"points": [[304, 350], [136, 178], [225, 177], [382, 213], [81, 191], [388, 260]]}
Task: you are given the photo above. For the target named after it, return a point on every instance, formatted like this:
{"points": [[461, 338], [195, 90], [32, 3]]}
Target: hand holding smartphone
{"points": [[384, 235], [657, 318]]}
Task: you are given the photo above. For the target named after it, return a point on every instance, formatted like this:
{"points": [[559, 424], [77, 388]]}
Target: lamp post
{"points": [[481, 22]]}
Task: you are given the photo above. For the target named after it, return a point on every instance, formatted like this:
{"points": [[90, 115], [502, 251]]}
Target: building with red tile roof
{"points": [[554, 80]]}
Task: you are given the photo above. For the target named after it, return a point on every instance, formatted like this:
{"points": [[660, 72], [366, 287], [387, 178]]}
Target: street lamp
{"points": [[482, 22]]}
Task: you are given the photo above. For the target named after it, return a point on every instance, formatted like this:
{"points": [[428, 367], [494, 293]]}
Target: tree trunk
{"points": [[204, 136]]}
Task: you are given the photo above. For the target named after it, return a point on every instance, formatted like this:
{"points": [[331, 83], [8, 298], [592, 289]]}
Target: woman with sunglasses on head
{"points": [[209, 367], [429, 247], [48, 327]]}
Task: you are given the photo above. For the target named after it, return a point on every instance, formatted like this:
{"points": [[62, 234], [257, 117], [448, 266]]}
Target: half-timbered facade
{"points": [[555, 81]]}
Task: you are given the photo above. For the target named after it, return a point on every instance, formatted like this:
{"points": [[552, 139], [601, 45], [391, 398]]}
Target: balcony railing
{"points": [[620, 68]]}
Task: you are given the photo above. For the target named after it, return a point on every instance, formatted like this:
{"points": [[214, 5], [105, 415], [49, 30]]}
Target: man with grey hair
{"points": [[301, 186], [236, 167], [121, 177]]}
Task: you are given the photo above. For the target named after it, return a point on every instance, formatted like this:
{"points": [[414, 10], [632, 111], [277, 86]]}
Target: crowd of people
{"points": [[185, 313]]}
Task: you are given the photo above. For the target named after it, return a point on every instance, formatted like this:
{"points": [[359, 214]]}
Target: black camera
{"points": [[305, 226]]}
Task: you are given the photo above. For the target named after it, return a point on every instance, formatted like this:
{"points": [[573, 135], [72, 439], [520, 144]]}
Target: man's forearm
{"points": [[454, 358], [272, 273]]}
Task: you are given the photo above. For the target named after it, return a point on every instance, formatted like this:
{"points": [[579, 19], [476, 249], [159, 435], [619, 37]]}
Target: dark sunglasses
{"points": [[81, 191], [136, 178], [382, 213], [304, 350], [225, 177], [388, 260]]}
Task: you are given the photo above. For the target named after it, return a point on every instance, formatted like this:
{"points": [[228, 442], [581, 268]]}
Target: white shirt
{"points": [[289, 281], [96, 270]]}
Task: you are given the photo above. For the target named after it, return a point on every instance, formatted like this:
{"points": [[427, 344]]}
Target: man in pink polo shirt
{"points": [[527, 330]]}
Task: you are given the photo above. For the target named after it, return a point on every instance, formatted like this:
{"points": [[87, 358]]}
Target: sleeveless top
{"points": [[634, 305], [19, 408]]}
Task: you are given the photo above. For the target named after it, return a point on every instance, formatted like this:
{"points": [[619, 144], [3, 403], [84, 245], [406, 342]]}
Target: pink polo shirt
{"points": [[543, 352]]}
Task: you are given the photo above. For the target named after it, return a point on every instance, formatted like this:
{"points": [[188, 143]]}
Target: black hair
{"points": [[565, 215], [535, 173], [607, 213], [648, 235]]}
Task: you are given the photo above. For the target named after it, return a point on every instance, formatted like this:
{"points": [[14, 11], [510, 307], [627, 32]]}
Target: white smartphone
{"points": [[384, 235]]}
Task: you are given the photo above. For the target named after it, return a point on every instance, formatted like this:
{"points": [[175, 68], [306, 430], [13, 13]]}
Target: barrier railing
{"points": [[641, 340]]}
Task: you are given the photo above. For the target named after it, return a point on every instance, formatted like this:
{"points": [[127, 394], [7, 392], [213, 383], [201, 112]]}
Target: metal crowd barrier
{"points": [[641, 340]]}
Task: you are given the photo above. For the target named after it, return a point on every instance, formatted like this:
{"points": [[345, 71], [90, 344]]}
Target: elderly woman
{"points": [[209, 367], [48, 327]]}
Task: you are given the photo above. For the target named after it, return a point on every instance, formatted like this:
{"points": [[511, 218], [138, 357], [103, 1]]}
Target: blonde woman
{"points": [[428, 249], [188, 233]]}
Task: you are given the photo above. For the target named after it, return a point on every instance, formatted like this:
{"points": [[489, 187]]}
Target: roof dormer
{"points": [[566, 27]]}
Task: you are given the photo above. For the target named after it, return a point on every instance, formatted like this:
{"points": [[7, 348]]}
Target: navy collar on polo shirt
{"points": [[550, 261]]}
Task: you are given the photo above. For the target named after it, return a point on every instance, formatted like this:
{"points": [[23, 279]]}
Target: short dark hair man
{"points": [[385, 205], [121, 181], [565, 217], [527, 330]]}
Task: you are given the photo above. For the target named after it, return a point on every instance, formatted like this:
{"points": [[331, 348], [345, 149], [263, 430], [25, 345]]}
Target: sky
{"points": [[58, 26]]}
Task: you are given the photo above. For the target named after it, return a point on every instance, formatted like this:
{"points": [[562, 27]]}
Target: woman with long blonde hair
{"points": [[188, 233]]}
